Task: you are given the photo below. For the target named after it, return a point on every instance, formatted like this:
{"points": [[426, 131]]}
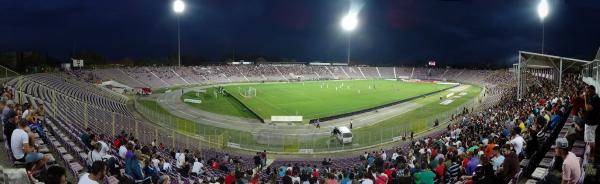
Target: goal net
{"points": [[248, 92]]}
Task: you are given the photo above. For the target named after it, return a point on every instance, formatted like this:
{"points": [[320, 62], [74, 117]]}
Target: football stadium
{"points": [[190, 94]]}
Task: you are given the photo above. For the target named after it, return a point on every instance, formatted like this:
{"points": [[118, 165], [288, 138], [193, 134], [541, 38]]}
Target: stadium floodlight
{"points": [[178, 8], [543, 10], [349, 22]]}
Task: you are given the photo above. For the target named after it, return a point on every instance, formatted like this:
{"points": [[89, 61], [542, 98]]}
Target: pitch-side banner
{"points": [[286, 118]]}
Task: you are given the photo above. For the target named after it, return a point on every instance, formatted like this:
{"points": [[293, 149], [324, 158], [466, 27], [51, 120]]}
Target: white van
{"points": [[343, 134]]}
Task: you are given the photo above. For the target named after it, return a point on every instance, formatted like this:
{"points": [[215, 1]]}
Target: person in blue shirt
{"points": [[345, 180], [473, 162], [133, 167], [282, 170], [554, 120]]}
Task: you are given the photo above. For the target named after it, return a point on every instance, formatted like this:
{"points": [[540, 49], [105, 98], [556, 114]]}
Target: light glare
{"points": [[349, 22], [543, 9], [178, 6]]}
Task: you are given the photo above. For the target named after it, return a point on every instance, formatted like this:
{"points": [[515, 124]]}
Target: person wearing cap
{"points": [[571, 170]]}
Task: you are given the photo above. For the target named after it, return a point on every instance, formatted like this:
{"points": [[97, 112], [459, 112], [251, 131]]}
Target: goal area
{"points": [[247, 92]]}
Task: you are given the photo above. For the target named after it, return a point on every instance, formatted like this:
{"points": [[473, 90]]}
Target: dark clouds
{"points": [[394, 31]]}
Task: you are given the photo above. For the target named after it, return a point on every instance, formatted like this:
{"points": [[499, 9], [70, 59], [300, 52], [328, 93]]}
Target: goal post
{"points": [[247, 92]]}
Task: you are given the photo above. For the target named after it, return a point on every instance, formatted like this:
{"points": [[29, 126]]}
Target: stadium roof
{"points": [[597, 55], [537, 60]]}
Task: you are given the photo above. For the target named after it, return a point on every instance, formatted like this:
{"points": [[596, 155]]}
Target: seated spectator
{"points": [[133, 166], [123, 150], [510, 167], [35, 125], [24, 149], [497, 159], [94, 154], [198, 167], [55, 175], [95, 175], [154, 173]]}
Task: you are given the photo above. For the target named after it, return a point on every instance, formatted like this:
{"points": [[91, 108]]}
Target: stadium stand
{"points": [[505, 141]]}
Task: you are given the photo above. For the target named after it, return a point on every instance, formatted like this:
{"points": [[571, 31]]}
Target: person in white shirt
{"points": [[104, 149], [180, 159], [94, 155], [166, 166], [95, 175], [23, 149], [26, 112], [156, 162], [19, 142], [395, 155], [517, 141], [123, 151], [197, 168]]}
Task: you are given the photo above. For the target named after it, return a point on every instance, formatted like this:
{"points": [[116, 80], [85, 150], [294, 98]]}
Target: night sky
{"points": [[390, 31]]}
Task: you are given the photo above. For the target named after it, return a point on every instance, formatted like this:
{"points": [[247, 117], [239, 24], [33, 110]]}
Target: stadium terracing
{"points": [[73, 101]]}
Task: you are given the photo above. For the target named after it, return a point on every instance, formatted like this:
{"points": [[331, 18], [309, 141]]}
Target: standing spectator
{"points": [[591, 116], [263, 158], [2, 107], [425, 176], [570, 167], [453, 170], [517, 141], [11, 124], [257, 160], [96, 174], [85, 138]]}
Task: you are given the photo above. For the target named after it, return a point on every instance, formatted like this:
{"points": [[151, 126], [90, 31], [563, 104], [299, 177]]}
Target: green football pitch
{"points": [[311, 99]]}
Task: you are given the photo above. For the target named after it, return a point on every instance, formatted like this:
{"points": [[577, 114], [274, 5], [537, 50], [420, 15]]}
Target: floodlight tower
{"points": [[178, 8], [543, 9], [349, 23]]}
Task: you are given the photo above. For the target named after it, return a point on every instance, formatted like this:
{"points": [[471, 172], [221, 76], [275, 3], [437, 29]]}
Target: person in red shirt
{"points": [[315, 173], [254, 179], [387, 171], [440, 170], [489, 149], [577, 103], [230, 179], [215, 165]]}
